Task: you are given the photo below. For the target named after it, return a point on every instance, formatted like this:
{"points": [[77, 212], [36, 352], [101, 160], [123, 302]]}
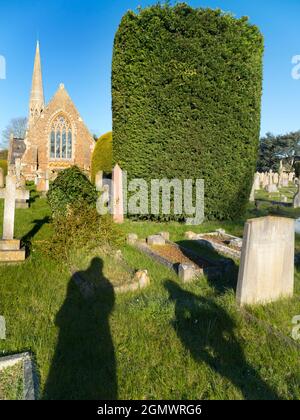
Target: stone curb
{"points": [[29, 374]]}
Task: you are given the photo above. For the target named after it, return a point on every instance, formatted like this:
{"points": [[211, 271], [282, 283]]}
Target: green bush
{"points": [[82, 228], [70, 187], [3, 165], [102, 155], [186, 87]]}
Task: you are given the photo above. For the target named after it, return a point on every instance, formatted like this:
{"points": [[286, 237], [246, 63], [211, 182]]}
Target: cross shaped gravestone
{"points": [[10, 247]]}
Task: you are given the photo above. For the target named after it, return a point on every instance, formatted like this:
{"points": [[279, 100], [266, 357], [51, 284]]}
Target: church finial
{"points": [[36, 105]]}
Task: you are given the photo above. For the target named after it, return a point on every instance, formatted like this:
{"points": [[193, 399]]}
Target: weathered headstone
{"points": [[99, 180], [118, 205], [271, 188], [132, 238], [165, 235], [266, 270], [187, 272], [256, 181], [156, 240], [10, 247], [252, 194], [296, 199]]}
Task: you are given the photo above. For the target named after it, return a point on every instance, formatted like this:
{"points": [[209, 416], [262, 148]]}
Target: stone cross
{"points": [[10, 195]]}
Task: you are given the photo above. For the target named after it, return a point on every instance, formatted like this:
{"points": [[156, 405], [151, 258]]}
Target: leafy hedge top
{"points": [[70, 188], [186, 86], [3, 165], [102, 155]]}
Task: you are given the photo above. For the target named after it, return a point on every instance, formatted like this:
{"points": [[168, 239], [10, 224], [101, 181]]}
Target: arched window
{"points": [[61, 139]]}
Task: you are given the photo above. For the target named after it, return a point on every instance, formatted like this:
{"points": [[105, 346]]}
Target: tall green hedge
{"points": [[186, 86], [102, 155]]}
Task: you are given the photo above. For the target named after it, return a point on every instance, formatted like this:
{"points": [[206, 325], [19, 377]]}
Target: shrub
{"points": [[102, 155], [70, 187], [84, 229], [186, 90], [3, 165]]}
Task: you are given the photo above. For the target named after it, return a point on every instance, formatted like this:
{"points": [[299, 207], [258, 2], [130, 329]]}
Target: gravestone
{"points": [[271, 188], [20, 184], [296, 199], [131, 239], [99, 180], [118, 206], [252, 194], [257, 181], [187, 272], [266, 270], [156, 240], [284, 179], [1, 178], [9, 247], [265, 180]]}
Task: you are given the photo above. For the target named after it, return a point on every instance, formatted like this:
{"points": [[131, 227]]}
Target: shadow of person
{"points": [[227, 277], [207, 331], [84, 365]]}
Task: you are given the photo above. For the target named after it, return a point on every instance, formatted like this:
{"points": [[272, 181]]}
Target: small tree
{"points": [[17, 126]]}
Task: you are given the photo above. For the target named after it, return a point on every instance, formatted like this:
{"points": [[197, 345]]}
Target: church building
{"points": [[57, 137]]}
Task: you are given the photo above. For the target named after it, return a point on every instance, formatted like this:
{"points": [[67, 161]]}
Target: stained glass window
{"points": [[61, 139]]}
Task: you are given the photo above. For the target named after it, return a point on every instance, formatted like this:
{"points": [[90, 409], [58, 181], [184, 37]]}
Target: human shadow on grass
{"points": [[207, 331], [227, 274], [84, 365]]}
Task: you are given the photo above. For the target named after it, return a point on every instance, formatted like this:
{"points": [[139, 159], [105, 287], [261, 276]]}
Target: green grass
{"points": [[171, 341], [11, 383], [289, 192]]}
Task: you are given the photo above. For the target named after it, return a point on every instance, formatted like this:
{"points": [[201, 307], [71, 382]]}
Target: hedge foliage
{"points": [[3, 165], [186, 87], [70, 188], [102, 155]]}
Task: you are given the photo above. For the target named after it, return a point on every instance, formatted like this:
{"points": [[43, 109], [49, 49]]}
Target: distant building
{"points": [[57, 137]]}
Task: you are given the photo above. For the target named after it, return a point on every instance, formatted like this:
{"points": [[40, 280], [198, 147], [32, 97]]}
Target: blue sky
{"points": [[76, 39]]}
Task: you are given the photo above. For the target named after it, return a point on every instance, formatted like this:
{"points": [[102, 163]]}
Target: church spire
{"points": [[36, 104]]}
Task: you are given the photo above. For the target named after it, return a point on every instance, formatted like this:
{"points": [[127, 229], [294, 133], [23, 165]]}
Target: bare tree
{"points": [[17, 126]]}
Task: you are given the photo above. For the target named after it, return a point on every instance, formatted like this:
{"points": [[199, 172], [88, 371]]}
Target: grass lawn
{"points": [[170, 341], [11, 383]]}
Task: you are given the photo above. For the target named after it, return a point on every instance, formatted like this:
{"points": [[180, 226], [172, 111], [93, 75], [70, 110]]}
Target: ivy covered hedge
{"points": [[102, 155], [186, 86], [70, 188]]}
